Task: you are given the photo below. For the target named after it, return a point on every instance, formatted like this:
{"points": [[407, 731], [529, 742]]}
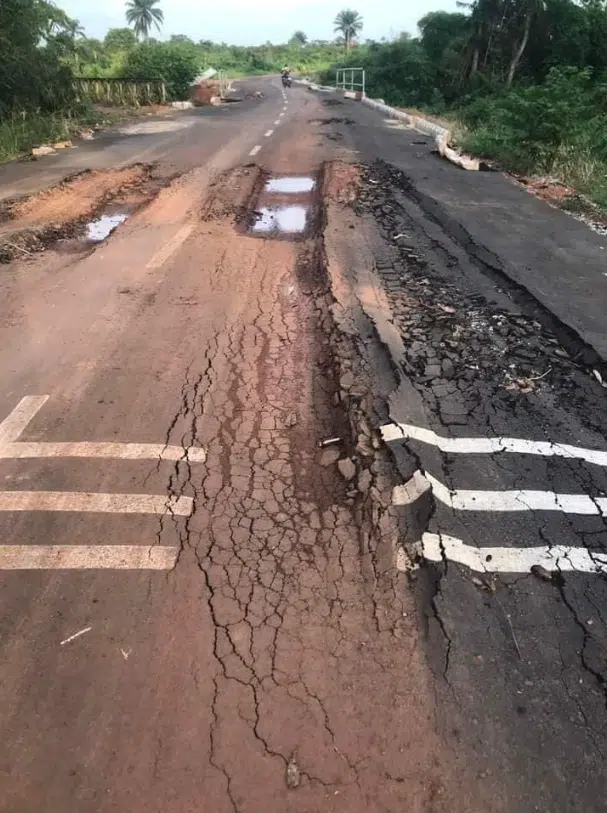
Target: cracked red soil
{"points": [[309, 659]]}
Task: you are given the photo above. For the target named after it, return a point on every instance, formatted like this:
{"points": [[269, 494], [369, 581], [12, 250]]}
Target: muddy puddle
{"points": [[101, 228], [281, 220], [77, 214], [285, 206], [290, 185]]}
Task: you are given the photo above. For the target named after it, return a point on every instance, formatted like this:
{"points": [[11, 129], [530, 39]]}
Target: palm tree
{"points": [[299, 38], [74, 29], [349, 23], [143, 15]]}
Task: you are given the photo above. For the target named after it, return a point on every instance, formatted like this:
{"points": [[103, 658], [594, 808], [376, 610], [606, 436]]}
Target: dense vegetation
{"points": [[526, 78]]}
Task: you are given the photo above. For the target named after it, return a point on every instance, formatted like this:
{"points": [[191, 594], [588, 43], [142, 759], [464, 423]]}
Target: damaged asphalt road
{"points": [[303, 504], [199, 602], [498, 431]]}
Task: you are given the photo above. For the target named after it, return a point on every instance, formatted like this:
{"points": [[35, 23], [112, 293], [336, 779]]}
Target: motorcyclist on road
{"points": [[285, 75]]}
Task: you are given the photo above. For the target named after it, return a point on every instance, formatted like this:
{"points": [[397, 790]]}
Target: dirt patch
{"points": [[78, 197], [31, 224], [549, 189], [204, 91], [565, 197], [342, 182], [233, 193]]}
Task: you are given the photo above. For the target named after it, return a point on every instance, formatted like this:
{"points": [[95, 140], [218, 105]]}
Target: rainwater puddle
{"points": [[290, 186], [281, 219], [99, 229]]}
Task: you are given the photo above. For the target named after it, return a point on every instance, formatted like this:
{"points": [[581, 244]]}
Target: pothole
{"points": [[285, 206], [77, 214]]}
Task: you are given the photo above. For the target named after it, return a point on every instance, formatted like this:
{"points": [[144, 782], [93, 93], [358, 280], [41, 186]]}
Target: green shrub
{"points": [[176, 64], [531, 128]]}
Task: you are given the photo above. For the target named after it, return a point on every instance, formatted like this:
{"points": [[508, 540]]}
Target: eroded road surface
{"points": [[255, 449]]}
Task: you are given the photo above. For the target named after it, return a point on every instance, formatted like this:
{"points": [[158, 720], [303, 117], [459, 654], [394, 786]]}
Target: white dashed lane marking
{"points": [[269, 133], [255, 150]]}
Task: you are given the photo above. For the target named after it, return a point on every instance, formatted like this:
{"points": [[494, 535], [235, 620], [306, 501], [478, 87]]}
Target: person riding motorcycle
{"points": [[285, 75]]}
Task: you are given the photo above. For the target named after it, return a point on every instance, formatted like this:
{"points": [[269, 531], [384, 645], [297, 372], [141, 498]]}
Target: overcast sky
{"points": [[251, 22]]}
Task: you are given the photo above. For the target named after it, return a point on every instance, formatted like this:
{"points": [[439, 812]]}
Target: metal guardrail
{"points": [[352, 79]]}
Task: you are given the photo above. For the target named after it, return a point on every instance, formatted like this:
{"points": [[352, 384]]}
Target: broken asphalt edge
{"points": [[441, 135], [578, 343]]}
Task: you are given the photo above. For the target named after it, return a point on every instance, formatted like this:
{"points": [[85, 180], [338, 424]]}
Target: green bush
{"points": [[32, 75], [176, 64], [532, 128]]}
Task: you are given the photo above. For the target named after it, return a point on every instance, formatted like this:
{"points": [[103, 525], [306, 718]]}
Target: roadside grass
{"points": [[576, 165], [22, 132]]}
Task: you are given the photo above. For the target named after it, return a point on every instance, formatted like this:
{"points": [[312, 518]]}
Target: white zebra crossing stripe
{"points": [[405, 431], [87, 557], [560, 558], [411, 491], [27, 409], [95, 503], [116, 451], [518, 500]]}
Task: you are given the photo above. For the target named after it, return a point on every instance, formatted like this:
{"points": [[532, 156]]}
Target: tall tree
{"points": [[299, 38], [524, 13], [119, 39], [143, 16], [349, 24], [439, 29]]}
